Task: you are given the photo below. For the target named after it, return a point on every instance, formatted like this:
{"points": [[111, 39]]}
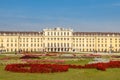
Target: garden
{"points": [[59, 66]]}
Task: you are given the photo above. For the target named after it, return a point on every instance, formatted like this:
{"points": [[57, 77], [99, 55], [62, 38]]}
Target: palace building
{"points": [[59, 40]]}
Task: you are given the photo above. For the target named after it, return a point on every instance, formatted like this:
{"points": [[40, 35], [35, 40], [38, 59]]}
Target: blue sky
{"points": [[81, 15]]}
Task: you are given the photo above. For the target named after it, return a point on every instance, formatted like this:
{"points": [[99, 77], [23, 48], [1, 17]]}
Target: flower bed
{"points": [[6, 62], [36, 68], [50, 54], [29, 57], [91, 56], [47, 68], [98, 66]]}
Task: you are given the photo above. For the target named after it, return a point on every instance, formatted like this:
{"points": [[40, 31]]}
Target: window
{"points": [[48, 33], [80, 45], [37, 45], [7, 45], [27, 39], [98, 45], [67, 33], [90, 45], [23, 39], [58, 33], [37, 39], [51, 44], [54, 44], [11, 50], [41, 45], [11, 40], [105, 45], [26, 45], [15, 45], [23, 45], [64, 44], [67, 44], [57, 44], [48, 45], [101, 45], [54, 33], [61, 33], [86, 45], [31, 45], [77, 45], [83, 45], [115, 45]]}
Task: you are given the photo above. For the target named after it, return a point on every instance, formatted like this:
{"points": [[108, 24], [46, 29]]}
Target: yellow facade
{"points": [[59, 40]]}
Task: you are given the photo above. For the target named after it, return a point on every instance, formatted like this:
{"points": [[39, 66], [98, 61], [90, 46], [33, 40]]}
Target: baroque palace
{"points": [[59, 40]]}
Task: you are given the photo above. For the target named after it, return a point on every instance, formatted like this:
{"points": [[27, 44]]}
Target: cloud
{"points": [[83, 27]]}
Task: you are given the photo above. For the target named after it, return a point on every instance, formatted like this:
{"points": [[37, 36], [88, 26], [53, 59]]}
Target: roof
{"points": [[96, 33]]}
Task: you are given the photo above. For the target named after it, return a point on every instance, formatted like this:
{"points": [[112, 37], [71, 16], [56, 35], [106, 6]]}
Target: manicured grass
{"points": [[77, 62], [72, 74], [2, 56]]}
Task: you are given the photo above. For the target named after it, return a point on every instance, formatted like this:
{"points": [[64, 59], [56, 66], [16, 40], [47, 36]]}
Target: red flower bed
{"points": [[98, 66], [47, 68], [50, 54], [29, 57], [91, 55], [101, 67], [36, 68]]}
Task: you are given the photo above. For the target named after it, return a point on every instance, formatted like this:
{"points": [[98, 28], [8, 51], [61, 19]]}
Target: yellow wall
{"points": [[59, 39]]}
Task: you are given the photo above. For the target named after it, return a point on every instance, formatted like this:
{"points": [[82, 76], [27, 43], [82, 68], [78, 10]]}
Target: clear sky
{"points": [[81, 15]]}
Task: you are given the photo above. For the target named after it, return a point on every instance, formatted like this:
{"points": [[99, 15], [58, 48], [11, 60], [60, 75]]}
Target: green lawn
{"points": [[72, 74]]}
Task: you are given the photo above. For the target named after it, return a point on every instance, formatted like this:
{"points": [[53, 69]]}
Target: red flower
{"points": [[36, 68], [100, 66]]}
